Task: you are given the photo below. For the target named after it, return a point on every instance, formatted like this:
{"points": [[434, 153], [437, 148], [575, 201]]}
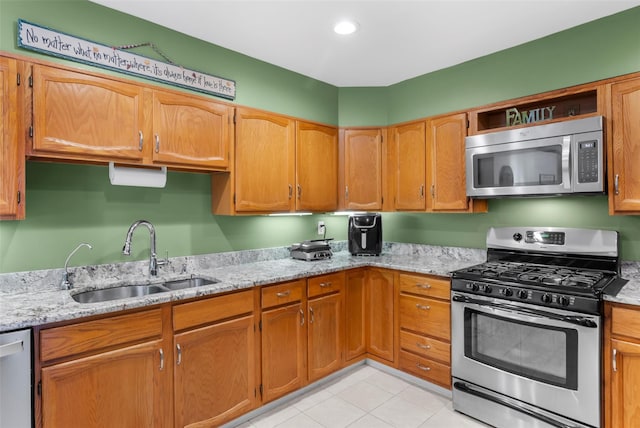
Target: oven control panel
{"points": [[527, 295]]}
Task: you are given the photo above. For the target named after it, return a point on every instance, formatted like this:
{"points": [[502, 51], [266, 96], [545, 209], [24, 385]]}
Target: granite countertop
{"points": [[34, 298]]}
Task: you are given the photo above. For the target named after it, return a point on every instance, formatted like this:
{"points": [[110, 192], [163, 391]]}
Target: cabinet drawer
{"points": [[426, 346], [625, 321], [325, 284], [428, 286], [280, 294], [191, 314], [425, 316], [89, 336], [426, 369]]}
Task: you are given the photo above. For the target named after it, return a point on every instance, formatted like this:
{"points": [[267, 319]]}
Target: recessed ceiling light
{"points": [[345, 27]]}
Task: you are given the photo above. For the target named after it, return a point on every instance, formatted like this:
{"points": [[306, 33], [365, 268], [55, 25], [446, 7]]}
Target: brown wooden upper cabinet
{"points": [[265, 156], [87, 117], [11, 152], [446, 165], [191, 131], [407, 163], [623, 128], [316, 167], [361, 180]]}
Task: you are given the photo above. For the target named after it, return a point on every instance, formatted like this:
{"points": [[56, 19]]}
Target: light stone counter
{"points": [[630, 293], [33, 298]]}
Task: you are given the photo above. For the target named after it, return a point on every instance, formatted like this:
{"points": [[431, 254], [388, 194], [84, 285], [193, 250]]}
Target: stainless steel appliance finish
{"points": [[317, 249], [365, 234], [15, 379], [526, 327], [557, 158]]}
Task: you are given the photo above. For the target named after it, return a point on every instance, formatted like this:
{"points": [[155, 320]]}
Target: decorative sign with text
{"points": [[46, 40], [515, 117]]}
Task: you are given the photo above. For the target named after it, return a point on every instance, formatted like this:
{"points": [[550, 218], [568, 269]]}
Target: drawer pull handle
{"points": [[301, 317], [325, 284], [614, 361], [423, 307], [179, 349], [424, 286], [423, 368], [312, 317], [140, 140], [420, 345], [284, 293]]}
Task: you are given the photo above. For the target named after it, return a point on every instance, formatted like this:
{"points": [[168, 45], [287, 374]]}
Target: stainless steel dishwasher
{"points": [[15, 380]]}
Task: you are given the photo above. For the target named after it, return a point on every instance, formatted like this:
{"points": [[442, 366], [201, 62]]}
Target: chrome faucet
{"points": [[153, 258], [66, 282]]}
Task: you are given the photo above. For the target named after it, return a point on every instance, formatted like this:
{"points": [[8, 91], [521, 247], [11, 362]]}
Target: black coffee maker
{"points": [[365, 234]]}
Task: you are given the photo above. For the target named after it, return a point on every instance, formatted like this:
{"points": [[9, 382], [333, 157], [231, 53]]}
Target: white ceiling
{"points": [[397, 40]]}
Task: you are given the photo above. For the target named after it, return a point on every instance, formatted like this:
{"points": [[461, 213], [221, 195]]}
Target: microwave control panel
{"points": [[588, 161]]}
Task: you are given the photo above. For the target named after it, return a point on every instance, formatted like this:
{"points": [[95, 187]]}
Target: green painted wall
{"points": [[67, 204]]}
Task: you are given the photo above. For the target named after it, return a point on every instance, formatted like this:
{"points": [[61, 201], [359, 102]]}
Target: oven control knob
{"points": [[474, 286], [507, 292], [522, 294], [564, 300], [546, 298], [487, 289], [517, 237]]}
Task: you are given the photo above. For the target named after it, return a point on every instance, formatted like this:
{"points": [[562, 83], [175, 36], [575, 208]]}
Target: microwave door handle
{"points": [[571, 319], [566, 162]]}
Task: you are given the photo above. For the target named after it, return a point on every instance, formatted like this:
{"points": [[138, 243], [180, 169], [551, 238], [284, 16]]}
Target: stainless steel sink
{"points": [[115, 293], [180, 284], [130, 290]]}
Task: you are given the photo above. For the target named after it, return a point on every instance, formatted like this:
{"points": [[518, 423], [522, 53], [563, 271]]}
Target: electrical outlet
{"points": [[321, 228]]}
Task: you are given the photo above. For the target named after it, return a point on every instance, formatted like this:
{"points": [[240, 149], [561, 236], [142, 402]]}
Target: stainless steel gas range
{"points": [[526, 327]]}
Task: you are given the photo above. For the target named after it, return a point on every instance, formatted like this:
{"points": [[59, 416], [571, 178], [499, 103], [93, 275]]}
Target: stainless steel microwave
{"points": [[553, 159]]}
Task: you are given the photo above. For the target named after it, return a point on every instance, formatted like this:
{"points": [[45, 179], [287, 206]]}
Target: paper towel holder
{"points": [[139, 177]]}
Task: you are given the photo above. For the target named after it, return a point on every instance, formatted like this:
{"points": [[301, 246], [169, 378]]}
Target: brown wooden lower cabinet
{"points": [[120, 388], [355, 343], [114, 371], [284, 341], [380, 298], [621, 366]]}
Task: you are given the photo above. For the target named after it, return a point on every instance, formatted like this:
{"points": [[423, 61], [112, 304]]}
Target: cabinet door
{"points": [[80, 116], [363, 169], [284, 351], [264, 161], [11, 152], [624, 181], [215, 378], [408, 157], [625, 395], [189, 130], [325, 338], [355, 343], [380, 315], [446, 164], [316, 167], [121, 388]]}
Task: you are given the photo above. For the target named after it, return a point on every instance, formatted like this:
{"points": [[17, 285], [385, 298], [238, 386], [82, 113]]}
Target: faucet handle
{"points": [[164, 261]]}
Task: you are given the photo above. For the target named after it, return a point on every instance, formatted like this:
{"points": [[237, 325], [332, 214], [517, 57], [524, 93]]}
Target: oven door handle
{"points": [[461, 386], [571, 319]]}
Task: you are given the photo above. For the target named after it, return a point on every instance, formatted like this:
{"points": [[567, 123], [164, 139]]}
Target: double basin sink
{"points": [[132, 290]]}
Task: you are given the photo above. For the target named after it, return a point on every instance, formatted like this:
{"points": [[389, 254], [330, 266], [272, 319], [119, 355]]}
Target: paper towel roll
{"points": [[140, 177]]}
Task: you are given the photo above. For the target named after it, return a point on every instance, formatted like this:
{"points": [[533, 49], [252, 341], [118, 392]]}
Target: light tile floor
{"points": [[366, 398]]}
